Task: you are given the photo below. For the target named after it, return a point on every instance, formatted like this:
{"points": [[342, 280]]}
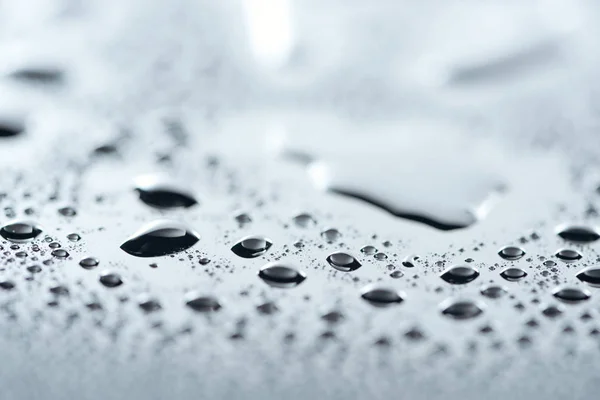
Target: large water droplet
{"points": [[462, 309], [459, 274], [200, 303], [20, 231], [279, 275], [590, 275], [111, 279], [381, 296], [511, 253], [343, 262], [159, 193], [252, 246], [568, 255], [493, 291], [578, 233], [513, 274], [571, 294], [160, 238]]}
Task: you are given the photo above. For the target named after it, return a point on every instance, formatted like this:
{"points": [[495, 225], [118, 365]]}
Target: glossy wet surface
{"points": [[186, 214]]}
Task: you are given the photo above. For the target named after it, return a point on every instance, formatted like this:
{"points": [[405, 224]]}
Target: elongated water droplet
{"points": [[568, 255], [493, 291], [578, 233], [553, 311], [459, 274], [60, 253], [67, 211], [571, 294], [111, 279], [280, 275], [73, 237], [160, 238], [89, 262], [252, 246], [159, 193], [511, 253], [410, 261], [20, 231], [397, 274], [382, 296], [368, 250], [549, 263], [590, 275], [331, 235], [7, 285], [462, 309], [343, 262], [513, 274], [200, 303], [44, 75], [34, 269], [304, 220], [333, 317], [60, 290]]}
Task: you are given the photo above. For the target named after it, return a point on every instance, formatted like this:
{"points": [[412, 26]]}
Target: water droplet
{"points": [[159, 193], [368, 250], [333, 317], [380, 256], [7, 285], [410, 260], [21, 254], [549, 263], [160, 238], [513, 274], [60, 253], [45, 75], [111, 279], [460, 274], [148, 303], [343, 262], [243, 219], [34, 269], [267, 308], [397, 274], [462, 309], [304, 220], [10, 128], [252, 246], [552, 311], [204, 261], [331, 235], [571, 294], [89, 262], [67, 211], [54, 245], [494, 291], [381, 297], [414, 334], [73, 237], [578, 233], [201, 303], [60, 290], [282, 276], [511, 253], [590, 275], [568, 255], [20, 231]]}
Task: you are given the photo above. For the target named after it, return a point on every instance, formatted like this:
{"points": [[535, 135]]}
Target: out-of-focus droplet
{"points": [[201, 303], [571, 294], [148, 303], [493, 291], [160, 193], [462, 309], [382, 296], [67, 211], [111, 279], [578, 233]]}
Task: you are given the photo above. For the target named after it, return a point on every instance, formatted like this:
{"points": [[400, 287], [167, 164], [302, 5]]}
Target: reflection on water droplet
{"points": [[571, 294], [590, 275], [159, 193], [459, 274], [89, 262], [160, 238], [513, 274], [568, 255], [343, 262], [252, 246], [20, 231], [304, 220], [381, 296], [511, 253], [578, 233], [368, 250], [67, 211], [331, 235], [73, 237], [410, 260], [462, 309], [60, 253], [111, 279], [200, 303], [281, 276], [494, 291]]}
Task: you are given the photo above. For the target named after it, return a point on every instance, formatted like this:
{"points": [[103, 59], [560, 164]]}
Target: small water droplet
{"points": [[160, 238], [380, 256], [89, 262], [513, 274], [397, 274], [60, 253], [568, 255], [410, 261], [243, 219], [494, 291], [368, 250], [44, 75], [60, 290], [578, 233], [267, 308], [204, 261], [333, 317], [201, 303], [552, 311], [54, 245], [414, 334], [304, 220], [20, 231], [571, 294], [343, 262], [331, 235], [148, 303], [252, 246], [549, 263], [590, 275], [159, 193], [67, 211], [7, 285], [381, 296], [111, 279], [21, 254], [282, 276], [511, 253], [73, 237], [462, 309], [460, 274], [34, 269]]}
